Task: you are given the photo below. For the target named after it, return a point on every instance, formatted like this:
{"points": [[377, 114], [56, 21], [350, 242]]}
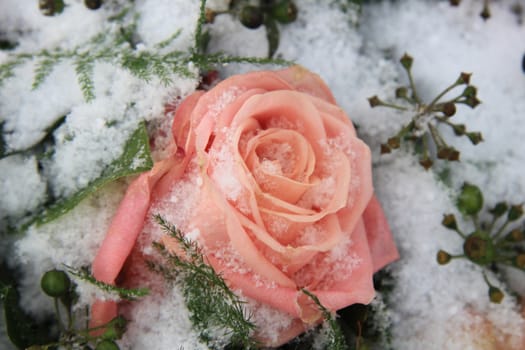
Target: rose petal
{"points": [[354, 287], [290, 106], [101, 313], [127, 223], [286, 184], [380, 240], [182, 121], [226, 92], [238, 238], [305, 81], [341, 184], [122, 235]]}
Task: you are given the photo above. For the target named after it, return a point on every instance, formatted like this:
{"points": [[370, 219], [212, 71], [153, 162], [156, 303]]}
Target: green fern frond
{"points": [[212, 305], [84, 69], [43, 69], [7, 69], [165, 43], [118, 48], [137, 64], [200, 35], [124, 293], [336, 339]]}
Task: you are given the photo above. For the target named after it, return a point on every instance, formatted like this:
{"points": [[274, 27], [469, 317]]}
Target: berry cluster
{"points": [[423, 126], [487, 246], [266, 12], [485, 12], [55, 7]]}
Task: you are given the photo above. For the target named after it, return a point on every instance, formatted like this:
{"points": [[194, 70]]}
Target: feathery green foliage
{"points": [[135, 158], [118, 47], [214, 308], [124, 293], [336, 339]]}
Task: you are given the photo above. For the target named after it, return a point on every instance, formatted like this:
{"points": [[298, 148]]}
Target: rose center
{"points": [[276, 158]]}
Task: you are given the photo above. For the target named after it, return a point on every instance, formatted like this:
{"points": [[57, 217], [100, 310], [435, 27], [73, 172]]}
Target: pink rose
{"points": [[284, 197]]}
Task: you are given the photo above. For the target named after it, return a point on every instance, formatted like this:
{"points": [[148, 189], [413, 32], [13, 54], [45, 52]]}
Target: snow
{"points": [[12, 202], [431, 306]]}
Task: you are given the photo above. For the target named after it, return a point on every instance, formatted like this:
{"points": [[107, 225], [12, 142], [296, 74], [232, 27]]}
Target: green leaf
{"points": [[135, 159], [21, 329]]}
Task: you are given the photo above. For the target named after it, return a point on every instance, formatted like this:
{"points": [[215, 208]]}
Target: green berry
{"points": [[449, 109], [251, 17], [475, 137], [464, 78], [406, 61], [401, 92], [443, 257], [285, 11], [470, 200], [374, 101], [519, 261], [93, 4], [515, 235], [449, 221], [479, 248], [51, 7], [55, 283], [459, 129], [107, 345], [499, 209], [495, 295], [515, 212], [385, 148], [470, 91], [394, 142]]}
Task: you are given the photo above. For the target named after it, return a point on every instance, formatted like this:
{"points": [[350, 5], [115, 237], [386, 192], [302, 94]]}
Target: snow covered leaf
{"points": [[136, 158]]}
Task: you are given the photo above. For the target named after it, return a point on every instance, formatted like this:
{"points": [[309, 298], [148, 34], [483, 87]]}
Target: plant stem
{"points": [[438, 97], [501, 229]]}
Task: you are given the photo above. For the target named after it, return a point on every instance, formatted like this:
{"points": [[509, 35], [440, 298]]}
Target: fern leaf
{"points": [[124, 293], [84, 70], [43, 69], [164, 43], [6, 70]]}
